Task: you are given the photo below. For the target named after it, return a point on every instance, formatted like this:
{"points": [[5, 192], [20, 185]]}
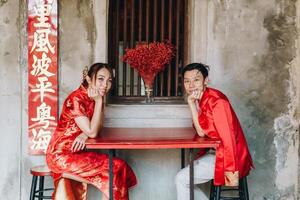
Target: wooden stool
{"points": [[38, 174], [243, 194]]}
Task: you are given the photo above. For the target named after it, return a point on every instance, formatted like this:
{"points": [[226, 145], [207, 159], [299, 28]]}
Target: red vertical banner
{"points": [[42, 73]]}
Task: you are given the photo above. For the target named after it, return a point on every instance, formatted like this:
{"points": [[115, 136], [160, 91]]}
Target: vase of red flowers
{"points": [[149, 60], [149, 94], [148, 83]]}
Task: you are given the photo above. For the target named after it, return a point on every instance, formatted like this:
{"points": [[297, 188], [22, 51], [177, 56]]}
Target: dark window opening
{"points": [[142, 21]]}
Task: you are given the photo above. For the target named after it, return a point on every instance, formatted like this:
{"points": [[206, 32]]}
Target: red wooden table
{"points": [[150, 138]]}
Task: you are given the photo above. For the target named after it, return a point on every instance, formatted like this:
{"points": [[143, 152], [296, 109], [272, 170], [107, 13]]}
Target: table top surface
{"points": [[149, 138]]}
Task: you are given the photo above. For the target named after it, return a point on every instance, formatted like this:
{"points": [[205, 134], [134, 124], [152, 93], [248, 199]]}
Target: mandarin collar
{"points": [[83, 89]]}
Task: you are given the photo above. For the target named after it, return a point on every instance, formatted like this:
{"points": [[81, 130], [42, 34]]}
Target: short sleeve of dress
{"points": [[76, 107]]}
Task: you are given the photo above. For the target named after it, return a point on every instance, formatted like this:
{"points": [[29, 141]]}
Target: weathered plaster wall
{"points": [[77, 42], [296, 82], [10, 100], [252, 51]]}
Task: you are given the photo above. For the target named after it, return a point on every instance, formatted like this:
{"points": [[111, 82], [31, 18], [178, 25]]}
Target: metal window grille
{"points": [[142, 21]]}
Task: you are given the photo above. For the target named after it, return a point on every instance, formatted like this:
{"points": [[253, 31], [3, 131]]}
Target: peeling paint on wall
{"points": [[282, 36], [276, 99]]}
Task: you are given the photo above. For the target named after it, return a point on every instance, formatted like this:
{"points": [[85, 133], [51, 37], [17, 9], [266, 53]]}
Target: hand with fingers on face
{"points": [[79, 142], [195, 95], [102, 92], [93, 92]]}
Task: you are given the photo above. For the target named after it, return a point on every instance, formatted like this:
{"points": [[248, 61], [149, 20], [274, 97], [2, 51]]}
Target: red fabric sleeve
{"points": [[76, 107], [224, 122]]}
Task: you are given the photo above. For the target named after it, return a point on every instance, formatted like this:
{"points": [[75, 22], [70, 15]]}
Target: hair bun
{"points": [[85, 72]]}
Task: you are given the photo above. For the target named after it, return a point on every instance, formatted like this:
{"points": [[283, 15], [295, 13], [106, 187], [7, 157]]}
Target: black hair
{"points": [[92, 72], [198, 66]]}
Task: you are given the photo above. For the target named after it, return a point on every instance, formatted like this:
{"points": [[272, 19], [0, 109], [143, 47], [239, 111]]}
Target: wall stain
{"points": [[274, 64], [2, 2], [6, 20], [274, 92], [79, 12], [86, 12]]}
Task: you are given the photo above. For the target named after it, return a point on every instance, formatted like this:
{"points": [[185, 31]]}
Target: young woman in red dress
{"points": [[82, 118], [213, 117]]}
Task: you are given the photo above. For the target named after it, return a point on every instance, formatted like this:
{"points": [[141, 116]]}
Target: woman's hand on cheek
{"points": [[94, 94], [102, 92], [92, 91]]}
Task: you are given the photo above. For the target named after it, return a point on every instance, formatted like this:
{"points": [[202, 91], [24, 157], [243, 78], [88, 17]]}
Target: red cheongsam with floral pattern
{"points": [[90, 166], [218, 120]]}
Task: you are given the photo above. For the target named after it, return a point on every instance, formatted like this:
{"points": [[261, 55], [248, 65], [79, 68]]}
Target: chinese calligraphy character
{"points": [[43, 11], [42, 87], [40, 139], [43, 115], [41, 41], [40, 66]]}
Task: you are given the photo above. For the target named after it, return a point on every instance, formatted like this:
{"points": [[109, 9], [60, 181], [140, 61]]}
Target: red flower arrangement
{"points": [[149, 59]]}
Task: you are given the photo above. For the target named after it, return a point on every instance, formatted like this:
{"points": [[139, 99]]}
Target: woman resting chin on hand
{"points": [[95, 92], [82, 118]]}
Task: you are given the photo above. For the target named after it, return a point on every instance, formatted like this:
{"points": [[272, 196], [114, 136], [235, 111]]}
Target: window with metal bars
{"points": [[132, 22]]}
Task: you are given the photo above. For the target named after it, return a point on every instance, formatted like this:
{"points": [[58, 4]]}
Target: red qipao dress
{"points": [[90, 166], [218, 120]]}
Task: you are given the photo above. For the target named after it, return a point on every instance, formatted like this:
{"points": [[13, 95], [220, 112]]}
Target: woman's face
{"points": [[103, 80], [194, 81]]}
